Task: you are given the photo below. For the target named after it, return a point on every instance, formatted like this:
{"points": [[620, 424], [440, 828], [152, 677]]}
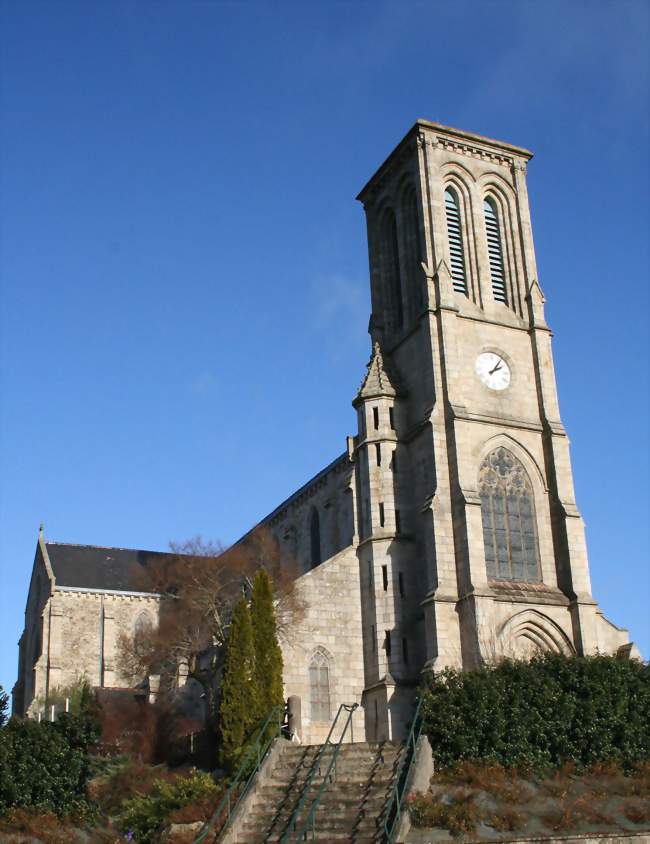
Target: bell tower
{"points": [[471, 544]]}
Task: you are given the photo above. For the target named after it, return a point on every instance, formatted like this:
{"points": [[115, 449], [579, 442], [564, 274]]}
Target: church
{"points": [[447, 532]]}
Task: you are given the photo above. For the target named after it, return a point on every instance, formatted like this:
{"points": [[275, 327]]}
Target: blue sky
{"points": [[184, 267]]}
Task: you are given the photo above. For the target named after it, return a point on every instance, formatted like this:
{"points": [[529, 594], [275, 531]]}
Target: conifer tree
{"points": [[268, 656], [239, 706]]}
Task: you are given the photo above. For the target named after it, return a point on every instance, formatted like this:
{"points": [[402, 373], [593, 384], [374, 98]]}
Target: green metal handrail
{"points": [[293, 820], [310, 819], [250, 765], [394, 806]]}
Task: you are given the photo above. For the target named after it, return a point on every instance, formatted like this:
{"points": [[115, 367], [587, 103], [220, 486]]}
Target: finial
{"points": [[41, 529]]}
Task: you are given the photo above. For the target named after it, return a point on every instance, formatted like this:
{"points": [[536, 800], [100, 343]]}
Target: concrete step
{"points": [[351, 804], [336, 811]]}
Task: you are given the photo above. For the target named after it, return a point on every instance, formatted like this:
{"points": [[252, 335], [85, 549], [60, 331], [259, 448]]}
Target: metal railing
{"points": [[248, 768], [310, 819], [394, 805]]}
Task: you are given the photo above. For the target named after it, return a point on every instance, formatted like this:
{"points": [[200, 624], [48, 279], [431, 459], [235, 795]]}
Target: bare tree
{"points": [[199, 584]]}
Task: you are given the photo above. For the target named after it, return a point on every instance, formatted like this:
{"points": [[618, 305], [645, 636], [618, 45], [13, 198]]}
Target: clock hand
{"points": [[498, 366]]}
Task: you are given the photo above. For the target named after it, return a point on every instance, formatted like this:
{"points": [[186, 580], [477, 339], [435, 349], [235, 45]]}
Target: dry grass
{"points": [[507, 820], [501, 783], [47, 828], [637, 811], [560, 784], [571, 813], [459, 815]]}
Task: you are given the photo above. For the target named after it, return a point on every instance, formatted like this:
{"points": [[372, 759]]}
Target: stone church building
{"points": [[447, 532]]}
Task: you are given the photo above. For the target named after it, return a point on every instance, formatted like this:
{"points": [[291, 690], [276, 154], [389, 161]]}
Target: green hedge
{"points": [[541, 713], [46, 766]]}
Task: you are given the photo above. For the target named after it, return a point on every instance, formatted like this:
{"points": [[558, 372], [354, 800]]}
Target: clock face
{"points": [[493, 371]]}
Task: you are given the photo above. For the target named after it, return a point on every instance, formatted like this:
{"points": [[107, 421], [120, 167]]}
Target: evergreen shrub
{"points": [[239, 705], [541, 713], [144, 816], [46, 766], [268, 655]]}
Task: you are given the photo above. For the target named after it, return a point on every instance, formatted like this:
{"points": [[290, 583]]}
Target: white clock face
{"points": [[493, 371]]}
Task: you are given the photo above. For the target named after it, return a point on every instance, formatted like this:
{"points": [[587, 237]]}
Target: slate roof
{"points": [[90, 567]]}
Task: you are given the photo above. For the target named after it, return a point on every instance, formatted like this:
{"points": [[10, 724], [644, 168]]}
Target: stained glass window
{"points": [[509, 525]]}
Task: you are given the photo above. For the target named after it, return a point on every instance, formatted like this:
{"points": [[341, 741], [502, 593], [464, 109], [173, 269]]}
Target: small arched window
{"points": [[142, 622], [319, 687], [509, 524], [456, 247], [495, 251], [314, 535], [392, 275]]}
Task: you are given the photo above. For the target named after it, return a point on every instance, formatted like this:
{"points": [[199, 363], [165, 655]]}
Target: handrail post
{"points": [[311, 817], [394, 808]]}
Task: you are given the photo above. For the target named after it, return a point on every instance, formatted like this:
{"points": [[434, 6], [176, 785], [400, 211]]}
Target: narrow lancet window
{"points": [[319, 687], [509, 524], [495, 252], [456, 247]]}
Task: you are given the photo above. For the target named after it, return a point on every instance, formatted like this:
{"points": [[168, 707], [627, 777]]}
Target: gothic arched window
{"points": [[392, 276], [142, 622], [456, 247], [495, 251], [508, 511], [319, 687], [413, 231], [314, 536]]}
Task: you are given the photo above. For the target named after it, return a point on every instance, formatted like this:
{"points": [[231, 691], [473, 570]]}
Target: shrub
{"points": [[46, 766], [145, 816], [507, 820], [128, 780], [459, 813], [541, 713], [637, 811], [4, 706], [501, 783], [43, 826]]}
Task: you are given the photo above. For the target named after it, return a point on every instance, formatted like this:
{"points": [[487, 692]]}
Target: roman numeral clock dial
{"points": [[493, 371]]}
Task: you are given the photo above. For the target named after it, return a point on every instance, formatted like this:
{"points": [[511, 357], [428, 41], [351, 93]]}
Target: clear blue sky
{"points": [[184, 267]]}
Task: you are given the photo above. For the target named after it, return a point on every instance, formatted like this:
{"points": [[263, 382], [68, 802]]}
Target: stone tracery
{"points": [[508, 513]]}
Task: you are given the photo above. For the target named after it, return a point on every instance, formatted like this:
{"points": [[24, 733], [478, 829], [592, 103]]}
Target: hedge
{"points": [[46, 766], [541, 713]]}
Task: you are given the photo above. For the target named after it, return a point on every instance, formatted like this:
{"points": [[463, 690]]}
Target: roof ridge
{"points": [[108, 547]]}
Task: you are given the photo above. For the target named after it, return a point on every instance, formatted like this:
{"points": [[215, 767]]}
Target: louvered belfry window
{"points": [[319, 687], [495, 252], [456, 248], [509, 523]]}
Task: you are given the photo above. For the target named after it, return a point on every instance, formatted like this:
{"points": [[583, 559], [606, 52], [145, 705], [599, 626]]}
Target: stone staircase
{"points": [[351, 808]]}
